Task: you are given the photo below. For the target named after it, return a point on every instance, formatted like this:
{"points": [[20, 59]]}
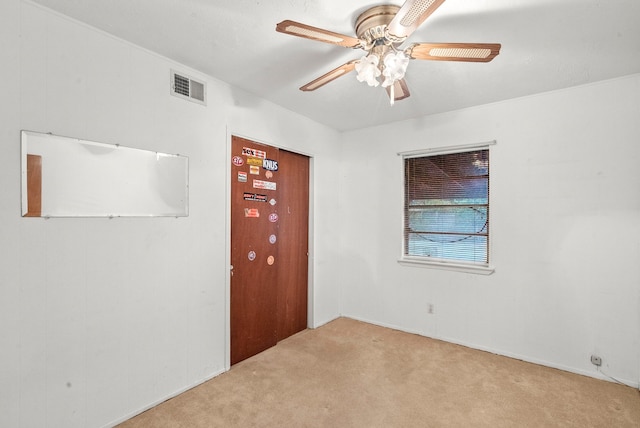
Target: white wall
{"points": [[565, 229], [101, 318]]}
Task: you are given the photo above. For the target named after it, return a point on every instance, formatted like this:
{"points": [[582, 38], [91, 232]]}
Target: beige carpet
{"points": [[352, 374]]}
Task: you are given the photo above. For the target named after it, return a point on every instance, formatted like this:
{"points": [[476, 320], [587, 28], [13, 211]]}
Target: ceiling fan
{"points": [[380, 32]]}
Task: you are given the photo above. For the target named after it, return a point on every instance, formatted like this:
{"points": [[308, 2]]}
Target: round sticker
{"points": [[270, 260], [268, 174], [273, 217], [272, 239], [272, 202], [238, 161], [251, 256]]}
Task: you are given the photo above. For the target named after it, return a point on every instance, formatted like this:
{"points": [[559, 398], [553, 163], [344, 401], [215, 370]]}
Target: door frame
{"points": [[227, 239]]}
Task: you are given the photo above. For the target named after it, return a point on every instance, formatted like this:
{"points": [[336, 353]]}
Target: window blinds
{"points": [[446, 214]]}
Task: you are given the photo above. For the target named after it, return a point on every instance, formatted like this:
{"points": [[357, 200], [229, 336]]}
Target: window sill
{"points": [[438, 264]]}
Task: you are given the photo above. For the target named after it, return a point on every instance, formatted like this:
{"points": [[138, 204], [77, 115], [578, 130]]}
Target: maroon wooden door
{"points": [[253, 274], [262, 291], [294, 248]]}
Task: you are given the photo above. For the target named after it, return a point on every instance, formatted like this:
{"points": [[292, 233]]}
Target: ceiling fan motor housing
{"points": [[371, 25]]}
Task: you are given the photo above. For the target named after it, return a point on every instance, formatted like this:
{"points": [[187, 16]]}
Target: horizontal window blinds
{"points": [[446, 213]]}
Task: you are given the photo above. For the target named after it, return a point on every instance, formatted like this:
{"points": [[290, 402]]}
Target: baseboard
{"points": [[321, 323], [162, 400], [596, 375]]}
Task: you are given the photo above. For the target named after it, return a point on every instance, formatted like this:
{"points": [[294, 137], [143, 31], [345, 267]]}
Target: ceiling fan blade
{"points": [[314, 33], [411, 15], [330, 76], [470, 52], [400, 90]]}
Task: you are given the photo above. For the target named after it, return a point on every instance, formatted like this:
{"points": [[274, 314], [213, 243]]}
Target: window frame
{"points": [[426, 262]]}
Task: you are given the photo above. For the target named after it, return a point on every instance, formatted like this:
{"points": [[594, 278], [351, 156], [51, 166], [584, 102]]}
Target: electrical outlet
{"points": [[596, 361]]}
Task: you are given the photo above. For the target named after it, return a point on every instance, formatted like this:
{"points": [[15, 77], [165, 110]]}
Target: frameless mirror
{"points": [[68, 177]]}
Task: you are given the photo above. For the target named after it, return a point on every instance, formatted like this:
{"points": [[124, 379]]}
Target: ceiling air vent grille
{"points": [[186, 87]]}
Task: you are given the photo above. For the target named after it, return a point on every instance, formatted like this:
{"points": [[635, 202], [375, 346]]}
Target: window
{"points": [[446, 208]]}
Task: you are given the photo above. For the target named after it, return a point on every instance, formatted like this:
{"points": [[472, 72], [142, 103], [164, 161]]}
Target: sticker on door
{"points": [[267, 185]]}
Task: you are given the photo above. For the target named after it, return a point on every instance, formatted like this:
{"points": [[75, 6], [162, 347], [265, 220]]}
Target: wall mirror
{"points": [[68, 177]]}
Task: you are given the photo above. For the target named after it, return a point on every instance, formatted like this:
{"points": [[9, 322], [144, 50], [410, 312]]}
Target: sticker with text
{"points": [[270, 164], [273, 217], [251, 213], [254, 197], [247, 151], [242, 177], [254, 161], [267, 185], [254, 170], [238, 161]]}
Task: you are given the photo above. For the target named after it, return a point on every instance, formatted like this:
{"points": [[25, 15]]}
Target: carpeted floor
{"points": [[353, 374]]}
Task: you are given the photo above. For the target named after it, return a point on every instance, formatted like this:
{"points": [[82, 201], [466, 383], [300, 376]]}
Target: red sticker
{"points": [[251, 213], [238, 161]]}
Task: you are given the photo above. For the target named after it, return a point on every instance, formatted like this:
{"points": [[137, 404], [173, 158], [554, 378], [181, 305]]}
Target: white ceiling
{"points": [[546, 45]]}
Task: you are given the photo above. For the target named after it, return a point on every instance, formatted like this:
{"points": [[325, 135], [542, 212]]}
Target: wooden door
{"points": [[266, 292], [294, 237], [253, 274]]}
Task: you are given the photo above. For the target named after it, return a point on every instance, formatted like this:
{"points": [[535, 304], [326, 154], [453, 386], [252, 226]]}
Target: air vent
{"points": [[188, 88]]}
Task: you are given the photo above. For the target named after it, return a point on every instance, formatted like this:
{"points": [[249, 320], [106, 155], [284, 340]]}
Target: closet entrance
{"points": [[269, 246]]}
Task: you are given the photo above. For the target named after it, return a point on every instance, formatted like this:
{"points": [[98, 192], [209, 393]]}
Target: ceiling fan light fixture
{"points": [[395, 67], [381, 30], [368, 70]]}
